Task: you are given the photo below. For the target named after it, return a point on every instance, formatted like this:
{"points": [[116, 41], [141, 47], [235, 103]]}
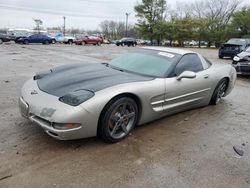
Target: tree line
{"points": [[213, 21]]}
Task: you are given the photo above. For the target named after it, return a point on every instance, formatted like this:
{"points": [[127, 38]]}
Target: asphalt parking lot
{"points": [[189, 149]]}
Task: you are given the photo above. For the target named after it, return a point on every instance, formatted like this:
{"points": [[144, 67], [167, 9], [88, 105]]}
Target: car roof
{"points": [[173, 50]]}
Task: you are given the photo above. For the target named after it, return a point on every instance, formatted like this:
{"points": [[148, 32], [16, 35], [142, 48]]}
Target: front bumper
{"points": [[242, 68], [46, 125], [44, 110], [226, 53]]}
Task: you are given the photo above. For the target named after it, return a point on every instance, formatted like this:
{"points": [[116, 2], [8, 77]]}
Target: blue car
{"points": [[37, 38]]}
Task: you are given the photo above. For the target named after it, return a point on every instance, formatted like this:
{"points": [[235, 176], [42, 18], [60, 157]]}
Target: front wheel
{"points": [[219, 91], [25, 42], [118, 119]]}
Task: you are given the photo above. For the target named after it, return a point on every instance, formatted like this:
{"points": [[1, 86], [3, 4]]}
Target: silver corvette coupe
{"points": [[109, 99]]}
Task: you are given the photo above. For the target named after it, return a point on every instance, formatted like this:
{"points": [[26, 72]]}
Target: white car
{"points": [[66, 39]]}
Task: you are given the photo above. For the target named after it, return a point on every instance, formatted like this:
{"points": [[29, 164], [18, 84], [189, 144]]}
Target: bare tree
{"points": [[38, 23], [116, 30], [214, 15]]}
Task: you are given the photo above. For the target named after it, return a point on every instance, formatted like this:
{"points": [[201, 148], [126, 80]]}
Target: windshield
{"points": [[145, 62], [237, 41]]}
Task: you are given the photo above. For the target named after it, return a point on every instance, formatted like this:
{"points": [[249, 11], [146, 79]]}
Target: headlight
{"points": [[76, 97], [236, 58]]}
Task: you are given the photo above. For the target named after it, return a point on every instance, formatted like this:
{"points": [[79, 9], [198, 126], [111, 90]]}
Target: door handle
{"points": [[206, 76]]}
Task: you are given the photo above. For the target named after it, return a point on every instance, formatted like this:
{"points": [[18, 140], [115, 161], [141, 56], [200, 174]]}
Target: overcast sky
{"points": [[84, 14]]}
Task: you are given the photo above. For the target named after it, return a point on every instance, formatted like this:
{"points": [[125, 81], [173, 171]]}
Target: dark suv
{"points": [[233, 46], [126, 42], [4, 38]]}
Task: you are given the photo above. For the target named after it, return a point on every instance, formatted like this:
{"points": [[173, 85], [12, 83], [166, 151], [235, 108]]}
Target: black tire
{"points": [[70, 42], [220, 57], [53, 41], [25, 42], [99, 43], [117, 119], [219, 91]]}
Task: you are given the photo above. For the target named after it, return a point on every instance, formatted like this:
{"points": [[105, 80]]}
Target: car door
{"points": [[186, 92], [35, 38], [32, 39]]}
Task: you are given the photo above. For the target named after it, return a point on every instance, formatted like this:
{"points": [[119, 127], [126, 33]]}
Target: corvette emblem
{"points": [[34, 92]]}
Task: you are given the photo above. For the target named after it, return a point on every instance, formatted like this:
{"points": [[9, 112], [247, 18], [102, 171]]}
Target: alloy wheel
{"points": [[221, 91], [121, 120]]}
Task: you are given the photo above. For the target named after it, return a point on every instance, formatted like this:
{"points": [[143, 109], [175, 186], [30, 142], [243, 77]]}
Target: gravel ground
{"points": [[189, 149]]}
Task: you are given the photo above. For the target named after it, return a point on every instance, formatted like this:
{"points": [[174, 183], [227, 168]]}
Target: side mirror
{"points": [[186, 74]]}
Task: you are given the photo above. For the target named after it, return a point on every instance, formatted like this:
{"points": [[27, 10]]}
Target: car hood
{"points": [[62, 80], [231, 44], [243, 54]]}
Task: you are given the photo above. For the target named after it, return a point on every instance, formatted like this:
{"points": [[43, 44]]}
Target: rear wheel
{"points": [[219, 91], [118, 119]]}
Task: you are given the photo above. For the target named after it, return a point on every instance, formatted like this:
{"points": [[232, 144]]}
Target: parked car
{"points": [[66, 39], [4, 38], [37, 38], [233, 46], [126, 42], [193, 43], [89, 40], [241, 62], [108, 99]]}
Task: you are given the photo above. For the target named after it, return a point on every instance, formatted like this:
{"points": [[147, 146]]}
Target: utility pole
{"points": [[127, 14], [64, 18]]}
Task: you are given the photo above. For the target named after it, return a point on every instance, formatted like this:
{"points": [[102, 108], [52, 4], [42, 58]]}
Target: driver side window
{"points": [[189, 62]]}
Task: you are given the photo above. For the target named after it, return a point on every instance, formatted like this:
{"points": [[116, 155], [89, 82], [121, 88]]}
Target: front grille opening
{"points": [[52, 133]]}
